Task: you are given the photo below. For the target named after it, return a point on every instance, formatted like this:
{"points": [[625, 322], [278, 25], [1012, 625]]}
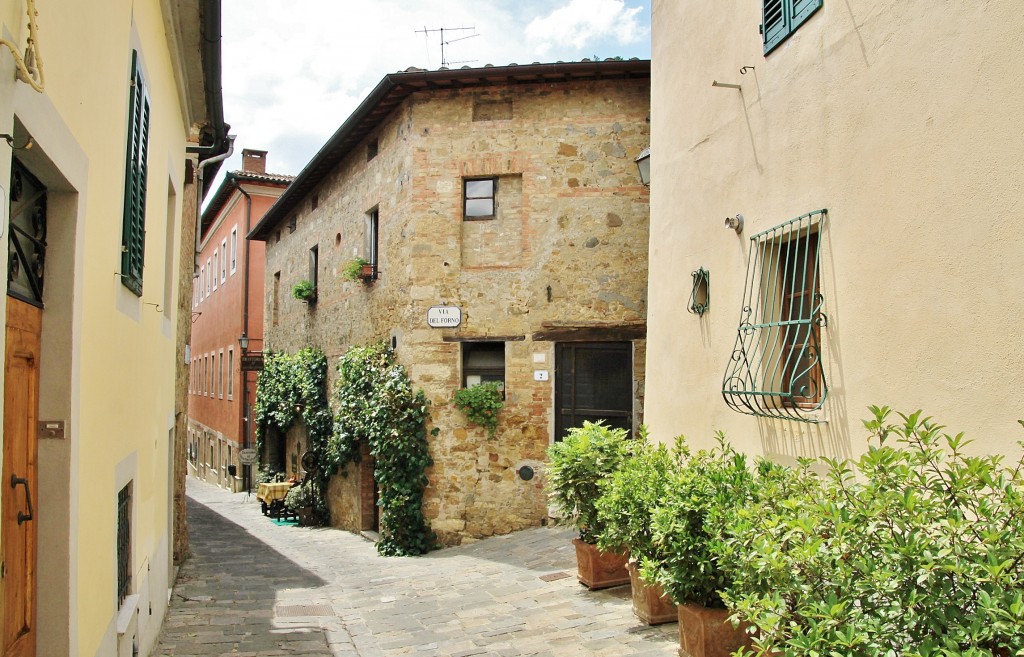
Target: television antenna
{"points": [[445, 42]]}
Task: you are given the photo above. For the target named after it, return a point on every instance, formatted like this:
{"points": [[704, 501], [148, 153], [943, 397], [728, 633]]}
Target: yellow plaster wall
{"points": [[902, 117], [122, 363]]}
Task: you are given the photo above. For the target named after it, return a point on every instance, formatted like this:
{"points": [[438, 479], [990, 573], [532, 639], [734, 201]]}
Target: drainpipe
{"points": [[247, 474], [199, 204]]}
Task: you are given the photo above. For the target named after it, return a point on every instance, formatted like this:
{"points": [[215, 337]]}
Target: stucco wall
{"points": [[568, 247], [899, 117]]}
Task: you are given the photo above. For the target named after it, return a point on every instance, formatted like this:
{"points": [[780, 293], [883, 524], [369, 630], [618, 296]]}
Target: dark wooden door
{"points": [[593, 381], [17, 520]]}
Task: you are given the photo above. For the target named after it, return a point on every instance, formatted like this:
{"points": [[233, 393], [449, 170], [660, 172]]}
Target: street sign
{"points": [[444, 316], [248, 456]]}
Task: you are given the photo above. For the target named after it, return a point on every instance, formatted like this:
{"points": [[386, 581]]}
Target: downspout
{"points": [[199, 205], [247, 473]]}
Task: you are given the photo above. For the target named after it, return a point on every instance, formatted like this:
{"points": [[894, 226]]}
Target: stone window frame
{"points": [[466, 198]]}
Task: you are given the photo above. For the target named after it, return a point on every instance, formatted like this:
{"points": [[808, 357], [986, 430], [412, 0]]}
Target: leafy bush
{"points": [[304, 291], [699, 497], [353, 270], [480, 404], [914, 549], [625, 509], [579, 468], [377, 404], [303, 495], [268, 474]]}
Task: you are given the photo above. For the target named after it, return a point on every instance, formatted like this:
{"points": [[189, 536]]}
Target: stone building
{"points": [[878, 261], [508, 198], [227, 306]]}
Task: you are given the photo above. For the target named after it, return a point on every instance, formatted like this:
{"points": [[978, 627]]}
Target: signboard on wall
{"points": [[444, 316], [252, 361]]}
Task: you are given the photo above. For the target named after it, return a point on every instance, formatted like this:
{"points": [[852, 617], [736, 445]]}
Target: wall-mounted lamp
{"points": [[643, 163], [736, 223], [10, 142], [243, 342]]}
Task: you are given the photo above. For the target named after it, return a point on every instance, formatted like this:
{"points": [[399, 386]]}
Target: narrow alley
{"points": [[256, 589]]}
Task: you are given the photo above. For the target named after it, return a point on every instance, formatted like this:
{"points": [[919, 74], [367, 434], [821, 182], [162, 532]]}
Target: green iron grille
{"points": [[700, 294], [775, 368]]}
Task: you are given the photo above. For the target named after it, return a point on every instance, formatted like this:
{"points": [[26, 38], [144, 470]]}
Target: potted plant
{"points": [[481, 403], [686, 538], [579, 468], [625, 511], [358, 269], [301, 499], [304, 290]]}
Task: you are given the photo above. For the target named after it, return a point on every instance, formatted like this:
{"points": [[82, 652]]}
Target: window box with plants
{"points": [[304, 291], [579, 468], [359, 269], [481, 404]]}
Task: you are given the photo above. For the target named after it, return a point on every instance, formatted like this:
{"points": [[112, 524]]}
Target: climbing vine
{"points": [[292, 387], [376, 403]]}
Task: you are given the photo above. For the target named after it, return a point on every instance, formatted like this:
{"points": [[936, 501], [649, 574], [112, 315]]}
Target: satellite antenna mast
{"points": [[444, 60]]}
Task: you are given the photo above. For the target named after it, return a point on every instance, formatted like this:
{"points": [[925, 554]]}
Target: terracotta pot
{"points": [[366, 273], [598, 569], [305, 516], [707, 632], [650, 604]]}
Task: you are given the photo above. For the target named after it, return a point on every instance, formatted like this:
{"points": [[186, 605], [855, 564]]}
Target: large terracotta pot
{"points": [[598, 569], [650, 604], [707, 632]]}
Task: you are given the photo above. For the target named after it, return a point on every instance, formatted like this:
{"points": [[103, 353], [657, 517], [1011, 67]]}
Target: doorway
{"points": [[593, 381]]}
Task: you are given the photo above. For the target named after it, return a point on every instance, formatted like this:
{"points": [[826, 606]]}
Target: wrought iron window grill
{"points": [[700, 294], [26, 236], [775, 367], [124, 543]]}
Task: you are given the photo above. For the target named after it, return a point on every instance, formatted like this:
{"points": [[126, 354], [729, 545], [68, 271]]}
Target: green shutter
{"points": [[780, 18], [133, 233]]}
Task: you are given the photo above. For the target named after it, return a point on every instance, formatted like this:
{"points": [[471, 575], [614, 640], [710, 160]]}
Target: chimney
{"points": [[254, 161]]}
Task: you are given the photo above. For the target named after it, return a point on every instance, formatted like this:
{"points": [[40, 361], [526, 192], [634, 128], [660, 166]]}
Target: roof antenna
{"points": [[444, 60]]}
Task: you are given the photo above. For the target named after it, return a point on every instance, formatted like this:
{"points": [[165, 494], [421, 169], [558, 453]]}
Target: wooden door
{"points": [[593, 381], [18, 482]]}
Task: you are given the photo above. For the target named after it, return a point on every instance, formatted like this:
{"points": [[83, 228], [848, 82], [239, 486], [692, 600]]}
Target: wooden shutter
{"points": [[774, 26], [801, 11], [133, 233]]}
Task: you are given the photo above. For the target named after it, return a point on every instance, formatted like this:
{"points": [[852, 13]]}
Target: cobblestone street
{"points": [[255, 589]]}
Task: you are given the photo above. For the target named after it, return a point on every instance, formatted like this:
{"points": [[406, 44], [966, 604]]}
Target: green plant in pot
{"points": [[687, 540], [625, 513], [579, 468], [481, 404], [358, 269], [304, 290], [301, 499]]}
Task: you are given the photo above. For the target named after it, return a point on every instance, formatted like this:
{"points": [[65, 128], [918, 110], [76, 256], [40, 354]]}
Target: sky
{"points": [[293, 70]]}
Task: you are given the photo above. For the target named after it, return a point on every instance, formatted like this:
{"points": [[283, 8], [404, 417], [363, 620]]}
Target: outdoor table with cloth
{"points": [[271, 497]]}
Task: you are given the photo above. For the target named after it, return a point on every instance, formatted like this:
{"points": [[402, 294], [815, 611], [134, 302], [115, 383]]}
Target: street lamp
{"points": [[243, 342], [643, 163]]}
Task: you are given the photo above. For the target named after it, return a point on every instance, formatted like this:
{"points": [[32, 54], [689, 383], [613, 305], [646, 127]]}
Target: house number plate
{"points": [[444, 316]]}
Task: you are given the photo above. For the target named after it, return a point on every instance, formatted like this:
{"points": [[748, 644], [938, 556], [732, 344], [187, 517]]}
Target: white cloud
{"points": [[582, 23]]}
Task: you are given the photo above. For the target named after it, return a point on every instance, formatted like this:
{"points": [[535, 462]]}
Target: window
{"points": [[314, 262], [231, 373], [223, 261], [124, 543], [276, 292], [371, 235], [209, 276], [216, 260], [782, 17], [202, 277], [775, 369], [234, 249], [220, 374], [133, 229], [314, 202], [371, 149], [482, 362], [478, 198], [27, 236]]}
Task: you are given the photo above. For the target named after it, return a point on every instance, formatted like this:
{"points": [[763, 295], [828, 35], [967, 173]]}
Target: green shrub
{"points": [[481, 404], [301, 496], [304, 290], [353, 270], [625, 510], [579, 467], [914, 549]]}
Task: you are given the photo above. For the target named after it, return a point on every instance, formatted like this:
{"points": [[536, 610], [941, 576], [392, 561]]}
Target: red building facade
{"points": [[227, 322]]}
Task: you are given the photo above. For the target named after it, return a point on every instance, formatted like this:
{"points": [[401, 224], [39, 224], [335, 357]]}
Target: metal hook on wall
{"points": [[10, 142]]}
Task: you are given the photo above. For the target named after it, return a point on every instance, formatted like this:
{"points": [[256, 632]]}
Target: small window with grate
{"points": [[780, 18], [775, 369], [124, 543], [483, 362]]}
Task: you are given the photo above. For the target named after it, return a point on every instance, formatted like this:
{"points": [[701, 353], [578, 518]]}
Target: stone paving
{"points": [[255, 589]]}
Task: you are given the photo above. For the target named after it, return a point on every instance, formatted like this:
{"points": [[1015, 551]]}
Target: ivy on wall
{"points": [[294, 387], [377, 404]]}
